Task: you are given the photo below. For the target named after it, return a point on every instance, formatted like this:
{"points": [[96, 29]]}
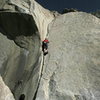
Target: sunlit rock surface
{"points": [[72, 67], [5, 93]]}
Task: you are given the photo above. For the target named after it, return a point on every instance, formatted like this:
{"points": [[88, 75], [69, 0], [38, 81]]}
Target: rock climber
{"points": [[45, 46]]}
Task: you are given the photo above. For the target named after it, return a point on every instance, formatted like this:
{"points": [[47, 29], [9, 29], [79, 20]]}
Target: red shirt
{"points": [[46, 41]]}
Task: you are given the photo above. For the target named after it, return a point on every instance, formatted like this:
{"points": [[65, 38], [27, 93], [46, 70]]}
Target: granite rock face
{"points": [[70, 71], [20, 63], [5, 93], [23, 24], [72, 67]]}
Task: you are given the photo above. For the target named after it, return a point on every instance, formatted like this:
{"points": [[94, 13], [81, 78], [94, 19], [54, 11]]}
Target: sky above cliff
{"points": [[82, 5]]}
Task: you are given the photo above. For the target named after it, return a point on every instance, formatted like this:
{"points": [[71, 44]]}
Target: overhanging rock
{"points": [[23, 25], [41, 16]]}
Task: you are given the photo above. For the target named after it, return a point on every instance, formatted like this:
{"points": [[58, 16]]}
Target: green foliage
{"points": [[97, 13], [67, 10]]}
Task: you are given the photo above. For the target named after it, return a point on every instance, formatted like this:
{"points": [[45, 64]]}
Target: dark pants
{"points": [[45, 48]]}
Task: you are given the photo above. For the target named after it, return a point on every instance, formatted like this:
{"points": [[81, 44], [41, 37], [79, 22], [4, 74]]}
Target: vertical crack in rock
{"points": [[39, 78]]}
